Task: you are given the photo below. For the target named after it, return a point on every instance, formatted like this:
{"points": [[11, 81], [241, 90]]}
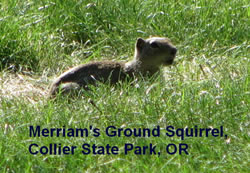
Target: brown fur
{"points": [[150, 55]]}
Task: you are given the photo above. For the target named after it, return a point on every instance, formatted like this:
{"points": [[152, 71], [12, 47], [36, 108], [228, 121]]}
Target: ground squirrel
{"points": [[150, 55]]}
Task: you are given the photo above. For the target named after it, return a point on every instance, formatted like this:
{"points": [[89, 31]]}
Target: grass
{"points": [[208, 86]]}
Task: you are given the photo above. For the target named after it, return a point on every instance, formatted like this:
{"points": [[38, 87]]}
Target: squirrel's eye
{"points": [[154, 45]]}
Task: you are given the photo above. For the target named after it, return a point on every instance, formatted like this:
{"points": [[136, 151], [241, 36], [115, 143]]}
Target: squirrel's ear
{"points": [[140, 43]]}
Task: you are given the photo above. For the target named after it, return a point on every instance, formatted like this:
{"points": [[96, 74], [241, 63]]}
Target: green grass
{"points": [[208, 86]]}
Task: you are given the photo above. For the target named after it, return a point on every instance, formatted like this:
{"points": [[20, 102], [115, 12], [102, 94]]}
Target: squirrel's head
{"points": [[155, 51]]}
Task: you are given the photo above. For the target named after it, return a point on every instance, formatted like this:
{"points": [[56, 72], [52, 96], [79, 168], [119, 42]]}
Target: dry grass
{"points": [[31, 88]]}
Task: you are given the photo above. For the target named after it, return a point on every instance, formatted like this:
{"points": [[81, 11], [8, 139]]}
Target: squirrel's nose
{"points": [[173, 51]]}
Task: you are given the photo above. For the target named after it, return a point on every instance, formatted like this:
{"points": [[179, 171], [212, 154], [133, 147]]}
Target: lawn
{"points": [[208, 87]]}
